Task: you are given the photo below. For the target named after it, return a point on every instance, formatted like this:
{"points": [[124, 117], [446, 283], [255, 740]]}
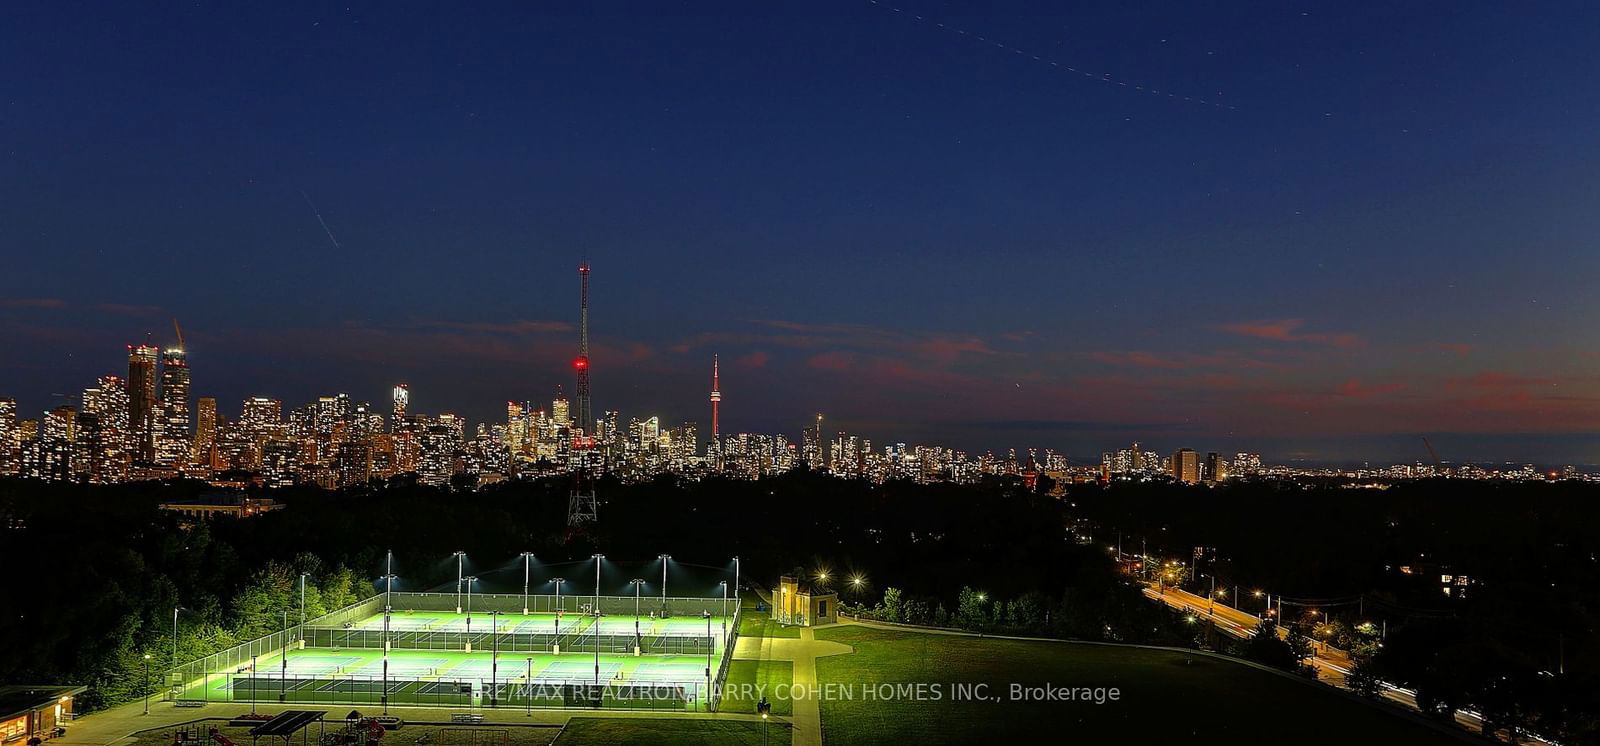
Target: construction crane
{"points": [[179, 332], [1431, 452]]}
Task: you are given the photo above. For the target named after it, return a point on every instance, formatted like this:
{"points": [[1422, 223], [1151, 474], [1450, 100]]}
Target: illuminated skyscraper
{"points": [[205, 433], [56, 447], [174, 445], [1186, 466], [402, 402], [560, 412], [8, 437], [143, 422]]}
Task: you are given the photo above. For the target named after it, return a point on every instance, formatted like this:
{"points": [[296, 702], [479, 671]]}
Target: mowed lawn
{"points": [[651, 731], [1164, 697], [749, 681]]}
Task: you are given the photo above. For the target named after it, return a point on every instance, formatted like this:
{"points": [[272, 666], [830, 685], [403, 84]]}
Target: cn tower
{"points": [[584, 418], [716, 398]]}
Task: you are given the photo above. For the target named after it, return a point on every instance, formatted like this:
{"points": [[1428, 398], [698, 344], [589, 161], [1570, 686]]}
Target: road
{"points": [[1331, 663]]}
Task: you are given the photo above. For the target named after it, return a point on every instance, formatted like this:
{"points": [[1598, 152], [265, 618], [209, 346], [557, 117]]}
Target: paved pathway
{"points": [[804, 652]]}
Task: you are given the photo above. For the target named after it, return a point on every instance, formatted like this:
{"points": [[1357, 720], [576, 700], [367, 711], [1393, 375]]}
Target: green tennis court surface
{"points": [[459, 678], [541, 622]]}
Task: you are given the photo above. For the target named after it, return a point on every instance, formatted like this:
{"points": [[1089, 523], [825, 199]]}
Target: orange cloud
{"points": [[1287, 330]]}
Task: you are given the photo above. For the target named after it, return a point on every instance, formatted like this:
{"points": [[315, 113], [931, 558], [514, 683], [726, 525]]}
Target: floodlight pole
{"points": [[303, 599], [557, 644], [665, 558], [708, 660], [253, 679], [388, 587], [283, 678], [527, 572], [386, 611], [459, 557], [724, 616], [637, 584], [735, 578], [597, 559], [527, 685], [175, 611], [494, 658], [470, 580]]}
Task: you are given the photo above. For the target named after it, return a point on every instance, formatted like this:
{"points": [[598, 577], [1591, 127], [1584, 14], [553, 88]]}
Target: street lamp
{"points": [[460, 557], [147, 683], [527, 570]]}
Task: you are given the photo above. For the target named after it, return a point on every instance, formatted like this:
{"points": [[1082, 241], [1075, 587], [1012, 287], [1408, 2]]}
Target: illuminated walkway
{"points": [[804, 652]]}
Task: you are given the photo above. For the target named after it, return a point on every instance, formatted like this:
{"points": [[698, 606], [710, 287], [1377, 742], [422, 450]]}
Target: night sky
{"points": [[1386, 229]]}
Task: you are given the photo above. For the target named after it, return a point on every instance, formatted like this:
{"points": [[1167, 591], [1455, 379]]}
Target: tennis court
{"points": [[428, 657]]}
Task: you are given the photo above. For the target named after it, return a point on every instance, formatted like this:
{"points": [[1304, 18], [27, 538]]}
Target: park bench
{"points": [[467, 717], [189, 703]]}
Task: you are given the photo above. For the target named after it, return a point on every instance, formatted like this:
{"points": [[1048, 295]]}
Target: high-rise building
{"points": [[205, 432], [1216, 467], [108, 399], [402, 403], [143, 415], [1246, 464], [175, 445], [57, 443], [811, 445], [560, 412], [1186, 466], [8, 437]]}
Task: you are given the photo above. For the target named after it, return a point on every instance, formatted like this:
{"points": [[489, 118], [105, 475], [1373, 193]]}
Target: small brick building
{"points": [[796, 601]]}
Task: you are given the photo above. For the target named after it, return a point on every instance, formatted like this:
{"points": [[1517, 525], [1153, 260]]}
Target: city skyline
{"points": [[926, 238], [155, 429]]}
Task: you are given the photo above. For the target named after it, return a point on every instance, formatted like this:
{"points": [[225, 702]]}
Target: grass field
{"points": [[649, 732], [760, 624], [1164, 696], [744, 678]]}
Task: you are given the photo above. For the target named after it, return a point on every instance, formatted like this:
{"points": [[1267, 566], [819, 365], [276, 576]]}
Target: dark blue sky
{"points": [[926, 236]]}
